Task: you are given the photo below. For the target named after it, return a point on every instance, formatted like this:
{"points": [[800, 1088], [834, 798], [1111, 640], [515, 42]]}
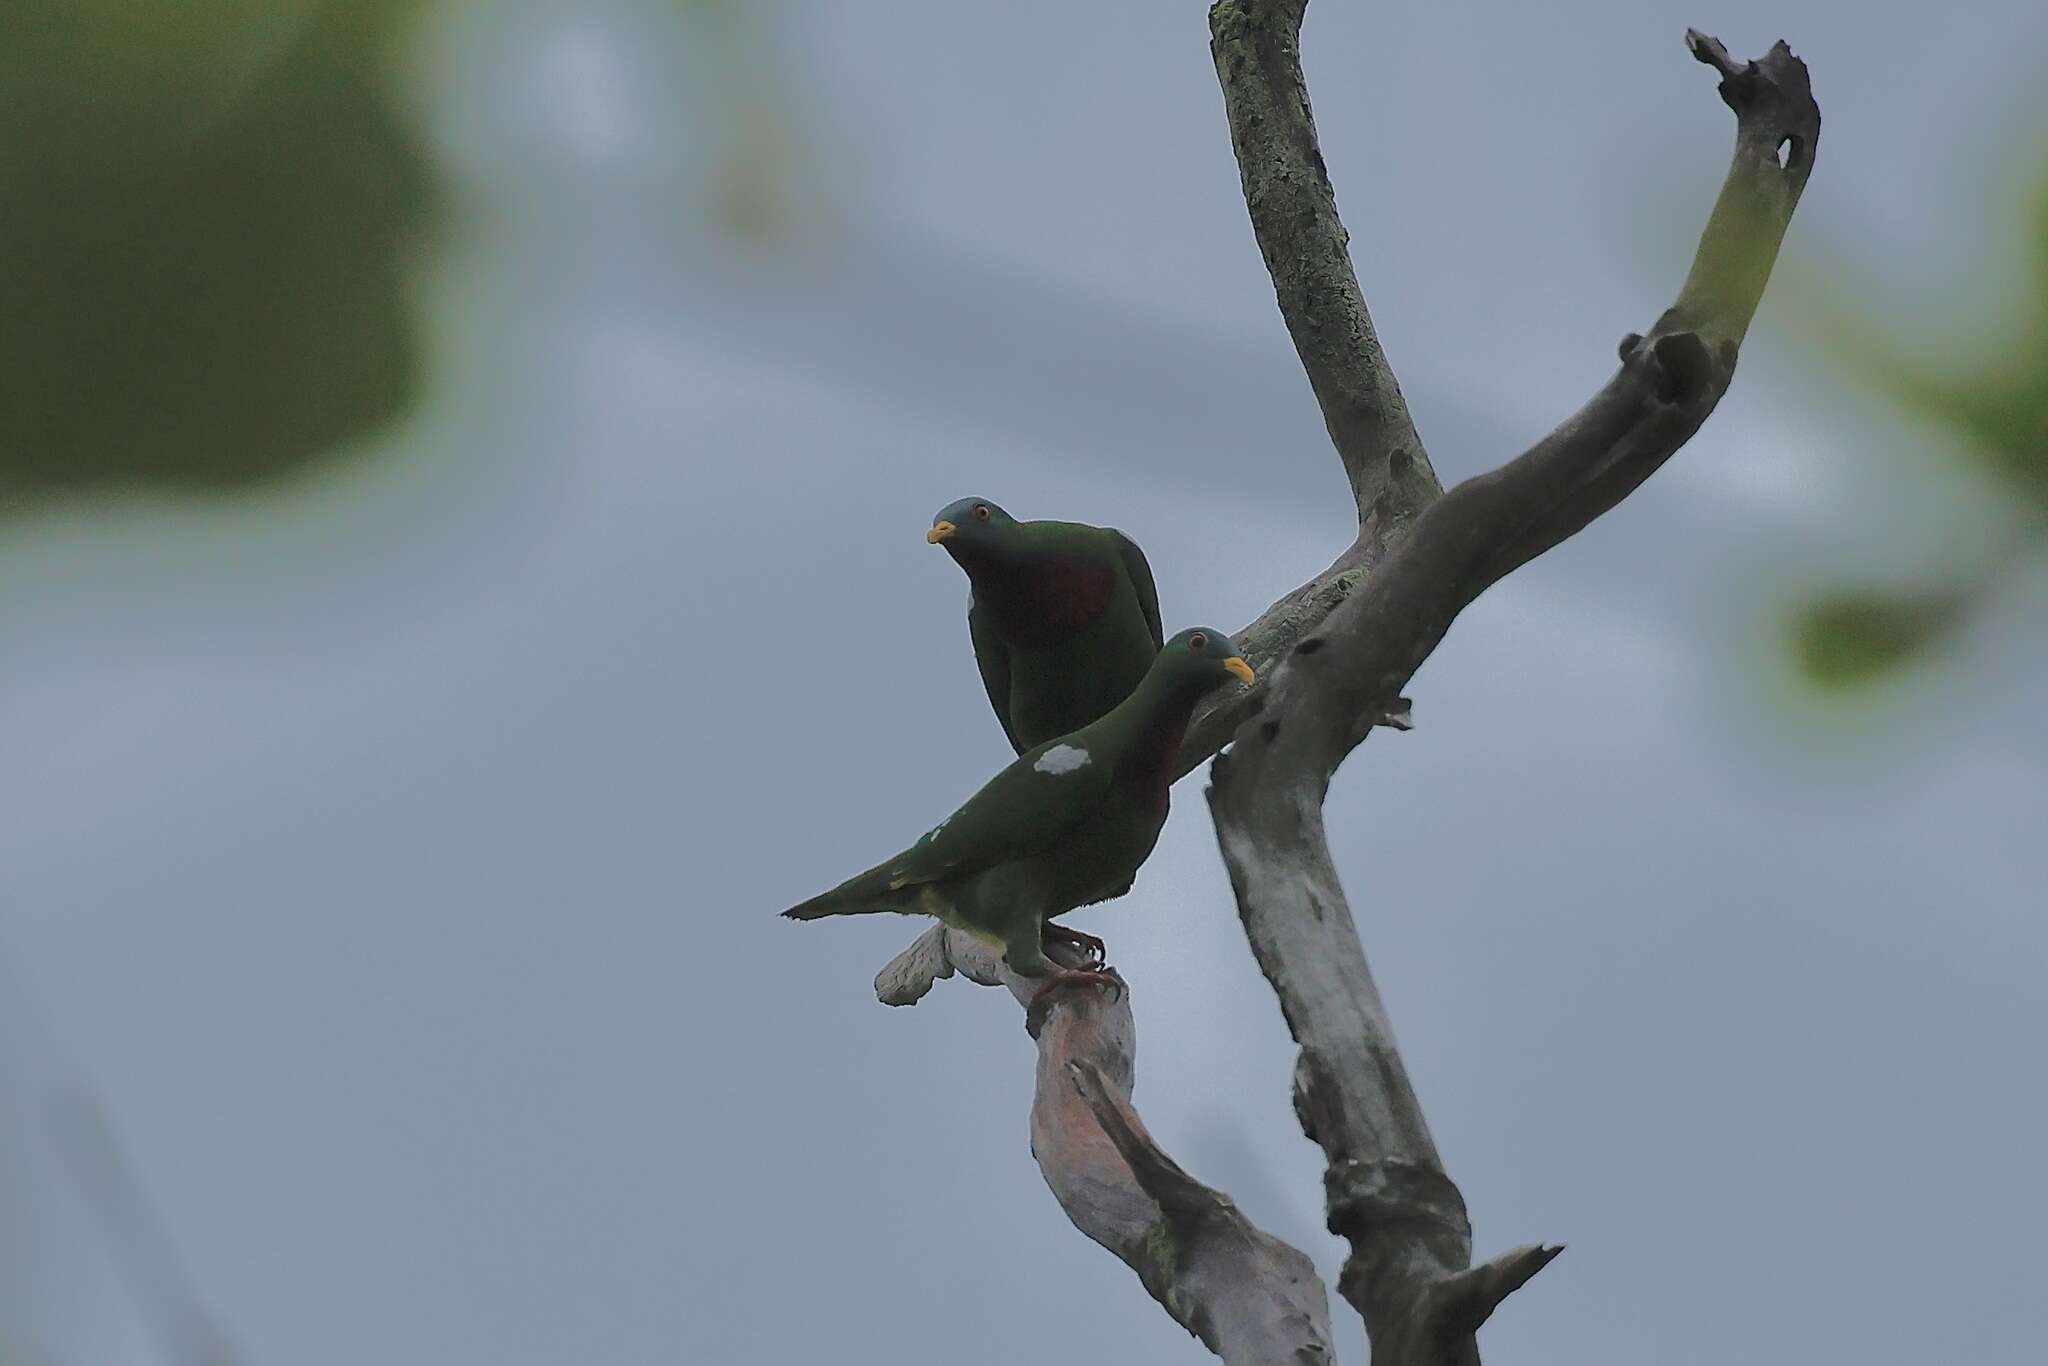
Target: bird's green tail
{"points": [[868, 894], [818, 907]]}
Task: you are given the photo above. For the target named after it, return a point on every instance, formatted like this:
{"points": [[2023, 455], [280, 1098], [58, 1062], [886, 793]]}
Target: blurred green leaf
{"points": [[1995, 411], [205, 208], [758, 169], [1856, 638], [1997, 408], [2000, 420]]}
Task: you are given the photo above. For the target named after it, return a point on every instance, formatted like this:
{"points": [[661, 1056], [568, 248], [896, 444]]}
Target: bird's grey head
{"points": [[970, 524], [1203, 656]]}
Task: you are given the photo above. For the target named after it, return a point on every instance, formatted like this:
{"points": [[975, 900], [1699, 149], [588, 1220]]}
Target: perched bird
{"points": [[1067, 824], [1064, 617]]}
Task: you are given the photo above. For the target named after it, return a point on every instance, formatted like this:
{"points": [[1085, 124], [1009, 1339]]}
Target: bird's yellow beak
{"points": [[941, 531], [1243, 670]]}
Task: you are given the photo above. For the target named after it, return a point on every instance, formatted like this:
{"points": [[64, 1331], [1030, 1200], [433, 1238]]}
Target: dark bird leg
{"points": [[1027, 959], [1096, 952], [1018, 895]]}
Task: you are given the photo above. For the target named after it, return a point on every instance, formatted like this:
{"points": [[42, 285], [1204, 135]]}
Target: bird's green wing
{"points": [[1021, 812], [992, 656], [1140, 571]]}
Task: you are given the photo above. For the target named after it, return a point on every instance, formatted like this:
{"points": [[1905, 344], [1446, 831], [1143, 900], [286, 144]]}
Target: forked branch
{"points": [[1409, 1273], [1333, 656], [1249, 1297]]}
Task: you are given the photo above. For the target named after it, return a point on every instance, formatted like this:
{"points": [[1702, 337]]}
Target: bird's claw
{"points": [[1094, 949], [1105, 976]]}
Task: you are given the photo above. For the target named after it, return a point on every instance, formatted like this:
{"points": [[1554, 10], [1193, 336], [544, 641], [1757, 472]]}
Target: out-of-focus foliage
{"points": [[205, 207], [1853, 638], [755, 184], [1998, 416]]}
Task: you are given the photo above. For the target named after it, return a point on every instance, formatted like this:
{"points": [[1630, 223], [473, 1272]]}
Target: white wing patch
{"points": [[1062, 759], [933, 833]]}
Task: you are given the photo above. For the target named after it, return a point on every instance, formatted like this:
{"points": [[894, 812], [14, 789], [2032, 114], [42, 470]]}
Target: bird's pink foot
{"points": [[1041, 1002], [1062, 977]]}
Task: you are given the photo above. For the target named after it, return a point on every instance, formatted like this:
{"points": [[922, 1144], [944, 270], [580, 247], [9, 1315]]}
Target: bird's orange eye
{"points": [[1198, 641], [981, 512]]}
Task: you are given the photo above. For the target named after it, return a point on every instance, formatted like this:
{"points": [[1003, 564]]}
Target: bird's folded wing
{"points": [[1140, 570], [992, 656], [1023, 811]]}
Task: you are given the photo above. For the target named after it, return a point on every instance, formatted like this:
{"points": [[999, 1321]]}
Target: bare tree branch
{"points": [[1294, 213], [1409, 1271], [1255, 44], [1332, 657], [1274, 635], [1256, 48], [1248, 1296], [1468, 1299]]}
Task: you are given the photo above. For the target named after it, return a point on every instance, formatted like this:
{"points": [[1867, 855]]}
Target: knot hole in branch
{"points": [[1790, 152]]}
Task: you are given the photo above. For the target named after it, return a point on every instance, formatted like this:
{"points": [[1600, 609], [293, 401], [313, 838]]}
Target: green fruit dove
{"points": [[1064, 617], [1067, 824]]}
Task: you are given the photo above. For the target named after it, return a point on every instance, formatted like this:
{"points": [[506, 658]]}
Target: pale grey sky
{"points": [[397, 856]]}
